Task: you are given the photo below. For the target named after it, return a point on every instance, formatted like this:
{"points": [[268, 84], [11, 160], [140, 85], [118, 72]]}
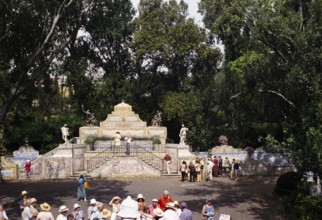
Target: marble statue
{"points": [[65, 133], [90, 117], [157, 119], [183, 134]]}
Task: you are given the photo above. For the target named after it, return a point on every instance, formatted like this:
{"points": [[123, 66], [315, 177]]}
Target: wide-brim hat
{"points": [[93, 201], [140, 196], [116, 198], [158, 212], [76, 206], [176, 203], [154, 200], [62, 208], [24, 193], [129, 208], [106, 213], [170, 205], [45, 206], [32, 200], [170, 215]]}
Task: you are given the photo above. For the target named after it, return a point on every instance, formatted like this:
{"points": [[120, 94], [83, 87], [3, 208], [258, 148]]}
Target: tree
{"points": [[272, 69]]}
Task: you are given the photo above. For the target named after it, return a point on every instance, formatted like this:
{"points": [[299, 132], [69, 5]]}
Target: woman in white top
{"points": [[116, 204]]}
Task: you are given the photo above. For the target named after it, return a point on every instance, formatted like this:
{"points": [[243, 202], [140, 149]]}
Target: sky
{"points": [[193, 9]]}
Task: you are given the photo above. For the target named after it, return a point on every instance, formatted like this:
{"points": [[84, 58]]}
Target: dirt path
{"points": [[249, 199]]}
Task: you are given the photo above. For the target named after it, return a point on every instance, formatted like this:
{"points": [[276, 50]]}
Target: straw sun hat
{"points": [[45, 206], [106, 213]]}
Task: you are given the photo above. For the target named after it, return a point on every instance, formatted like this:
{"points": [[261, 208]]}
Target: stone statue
{"points": [[65, 133], [183, 134], [223, 140], [157, 119], [90, 117]]}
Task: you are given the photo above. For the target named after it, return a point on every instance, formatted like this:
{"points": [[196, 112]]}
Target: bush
{"points": [[288, 182], [309, 207]]}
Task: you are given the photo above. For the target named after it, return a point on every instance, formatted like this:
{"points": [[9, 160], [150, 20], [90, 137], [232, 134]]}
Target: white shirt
{"points": [[61, 217]]}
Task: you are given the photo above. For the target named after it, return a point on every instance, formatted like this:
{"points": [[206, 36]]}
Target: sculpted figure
{"points": [[65, 133], [157, 119], [90, 117], [183, 134]]}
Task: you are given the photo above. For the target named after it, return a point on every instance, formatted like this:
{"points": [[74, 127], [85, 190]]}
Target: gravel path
{"points": [[250, 198]]}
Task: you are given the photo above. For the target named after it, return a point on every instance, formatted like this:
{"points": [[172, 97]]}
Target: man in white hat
{"points": [[62, 213], [153, 206], [170, 212], [92, 205], [45, 213]]}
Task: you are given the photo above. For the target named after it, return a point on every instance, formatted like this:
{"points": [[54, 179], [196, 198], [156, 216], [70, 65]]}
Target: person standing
{"points": [[91, 208], [28, 168], [81, 192], [220, 166], [116, 206], [3, 213], [167, 160], [62, 213], [186, 214], [216, 166], [24, 198], [128, 140], [237, 169], [153, 206], [45, 214], [26, 213], [208, 210], [226, 166], [78, 213], [164, 200], [232, 169], [117, 141], [33, 208], [198, 171], [183, 170], [192, 171]]}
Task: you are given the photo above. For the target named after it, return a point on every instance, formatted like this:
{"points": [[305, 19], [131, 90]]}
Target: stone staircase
{"points": [[109, 158]]}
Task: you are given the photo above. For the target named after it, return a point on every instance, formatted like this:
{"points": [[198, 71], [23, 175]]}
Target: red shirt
{"points": [[163, 202], [27, 166]]}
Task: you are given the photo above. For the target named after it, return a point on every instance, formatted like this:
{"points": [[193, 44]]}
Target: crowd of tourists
{"points": [[163, 208], [214, 167]]}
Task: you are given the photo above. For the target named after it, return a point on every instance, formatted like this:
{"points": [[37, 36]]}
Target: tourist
{"points": [[209, 169], [237, 169], [158, 213], [28, 168], [97, 211], [117, 141], [3, 213], [62, 213], [177, 206], [129, 210], [226, 166], [232, 169], [26, 213], [78, 213], [81, 192], [208, 210], [186, 214], [167, 160], [220, 162], [170, 213], [45, 213], [24, 198], [192, 172], [33, 207], [198, 171], [70, 217], [90, 210], [128, 140], [152, 207], [216, 166], [202, 165], [141, 203], [105, 214], [116, 205], [164, 200], [183, 170]]}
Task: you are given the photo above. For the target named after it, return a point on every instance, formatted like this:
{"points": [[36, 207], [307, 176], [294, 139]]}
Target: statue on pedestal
{"points": [[65, 133], [157, 119], [90, 117], [183, 135]]}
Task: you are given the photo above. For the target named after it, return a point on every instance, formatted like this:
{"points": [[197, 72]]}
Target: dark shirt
{"points": [[167, 157]]}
